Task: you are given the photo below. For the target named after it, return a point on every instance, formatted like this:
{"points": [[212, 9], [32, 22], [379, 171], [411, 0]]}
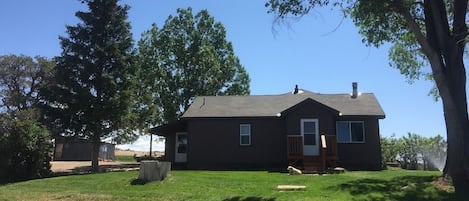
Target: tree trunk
{"points": [[457, 159], [457, 125], [95, 154]]}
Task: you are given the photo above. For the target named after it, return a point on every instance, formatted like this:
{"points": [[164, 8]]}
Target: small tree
{"points": [[414, 150], [389, 149], [410, 151], [25, 147], [91, 96]]}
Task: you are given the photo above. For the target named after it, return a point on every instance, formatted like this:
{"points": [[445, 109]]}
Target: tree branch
{"points": [[427, 49], [439, 20], [432, 54], [459, 22]]}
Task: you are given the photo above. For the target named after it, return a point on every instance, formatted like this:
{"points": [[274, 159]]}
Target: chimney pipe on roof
{"points": [[354, 89], [296, 89]]}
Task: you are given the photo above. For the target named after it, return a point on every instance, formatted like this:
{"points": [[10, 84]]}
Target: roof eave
{"points": [[379, 116]]}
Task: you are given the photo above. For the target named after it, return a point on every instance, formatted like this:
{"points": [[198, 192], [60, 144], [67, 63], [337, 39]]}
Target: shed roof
{"points": [[365, 104]]}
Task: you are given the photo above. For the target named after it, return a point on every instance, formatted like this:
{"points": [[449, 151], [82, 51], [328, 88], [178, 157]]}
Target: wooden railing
{"points": [[295, 146], [331, 147], [328, 151]]}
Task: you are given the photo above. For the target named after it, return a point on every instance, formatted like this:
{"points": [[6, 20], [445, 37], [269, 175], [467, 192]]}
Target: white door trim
{"points": [[310, 150], [180, 157]]}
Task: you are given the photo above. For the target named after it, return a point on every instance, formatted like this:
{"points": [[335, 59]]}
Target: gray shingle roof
{"points": [[270, 105]]}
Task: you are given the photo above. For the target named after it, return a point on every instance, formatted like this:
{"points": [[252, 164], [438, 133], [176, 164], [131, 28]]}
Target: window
{"points": [[350, 132], [245, 134], [309, 131]]}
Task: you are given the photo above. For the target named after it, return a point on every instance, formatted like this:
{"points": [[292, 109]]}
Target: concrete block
{"points": [[154, 170]]}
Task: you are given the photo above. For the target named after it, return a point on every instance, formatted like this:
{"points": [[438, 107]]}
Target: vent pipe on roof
{"points": [[296, 89], [354, 89]]}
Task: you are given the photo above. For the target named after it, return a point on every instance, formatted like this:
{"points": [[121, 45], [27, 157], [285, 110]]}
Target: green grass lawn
{"points": [[232, 186], [122, 158]]}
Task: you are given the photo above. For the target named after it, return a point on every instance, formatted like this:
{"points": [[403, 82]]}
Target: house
{"points": [[309, 130], [80, 150]]}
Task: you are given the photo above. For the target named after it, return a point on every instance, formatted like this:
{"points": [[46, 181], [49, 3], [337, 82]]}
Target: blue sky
{"points": [[319, 52]]}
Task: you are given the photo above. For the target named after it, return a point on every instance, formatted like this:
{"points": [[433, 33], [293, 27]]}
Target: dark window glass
{"points": [[357, 131], [309, 139], [343, 132]]}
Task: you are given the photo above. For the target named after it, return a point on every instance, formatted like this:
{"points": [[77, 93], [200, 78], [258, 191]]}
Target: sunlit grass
{"points": [[124, 158], [232, 185]]}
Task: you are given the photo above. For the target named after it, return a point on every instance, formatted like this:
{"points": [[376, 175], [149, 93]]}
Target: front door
{"points": [[309, 131], [181, 148]]}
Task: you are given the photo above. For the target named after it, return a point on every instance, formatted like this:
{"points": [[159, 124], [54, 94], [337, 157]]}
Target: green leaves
{"points": [[413, 149], [24, 146], [21, 78], [395, 22], [94, 77], [189, 56]]}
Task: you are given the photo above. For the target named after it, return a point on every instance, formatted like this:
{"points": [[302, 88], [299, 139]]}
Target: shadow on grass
{"points": [[138, 182], [106, 168], [238, 198], [400, 188]]}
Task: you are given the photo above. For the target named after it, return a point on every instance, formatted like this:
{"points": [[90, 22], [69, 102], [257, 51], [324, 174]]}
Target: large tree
{"points": [[189, 56], [423, 33], [91, 96], [21, 78], [24, 141]]}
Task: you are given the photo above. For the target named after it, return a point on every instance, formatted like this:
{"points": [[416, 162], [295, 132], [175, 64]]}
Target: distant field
{"points": [[128, 155], [120, 152], [233, 186]]}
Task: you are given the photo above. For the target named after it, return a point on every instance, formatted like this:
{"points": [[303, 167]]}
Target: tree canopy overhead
{"points": [[423, 33], [189, 56], [91, 96]]}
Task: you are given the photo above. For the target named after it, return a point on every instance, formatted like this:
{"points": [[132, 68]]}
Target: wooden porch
{"points": [[327, 157]]}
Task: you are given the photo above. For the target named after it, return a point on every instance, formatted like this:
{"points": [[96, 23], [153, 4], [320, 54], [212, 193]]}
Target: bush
{"points": [[25, 150]]}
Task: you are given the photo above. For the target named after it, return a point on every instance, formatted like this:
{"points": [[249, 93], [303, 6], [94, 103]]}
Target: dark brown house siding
{"points": [[169, 148], [214, 143], [362, 156], [310, 109]]}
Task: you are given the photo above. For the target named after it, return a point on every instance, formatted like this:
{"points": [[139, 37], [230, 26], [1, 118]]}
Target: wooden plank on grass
{"points": [[290, 187]]}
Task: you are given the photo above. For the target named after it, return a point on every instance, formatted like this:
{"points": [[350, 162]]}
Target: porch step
{"points": [[313, 164]]}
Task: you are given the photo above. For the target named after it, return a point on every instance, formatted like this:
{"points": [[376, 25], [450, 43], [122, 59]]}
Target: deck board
{"points": [[290, 187]]}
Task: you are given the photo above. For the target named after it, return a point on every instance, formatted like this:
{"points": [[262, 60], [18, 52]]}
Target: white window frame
{"points": [[241, 135], [350, 131]]}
